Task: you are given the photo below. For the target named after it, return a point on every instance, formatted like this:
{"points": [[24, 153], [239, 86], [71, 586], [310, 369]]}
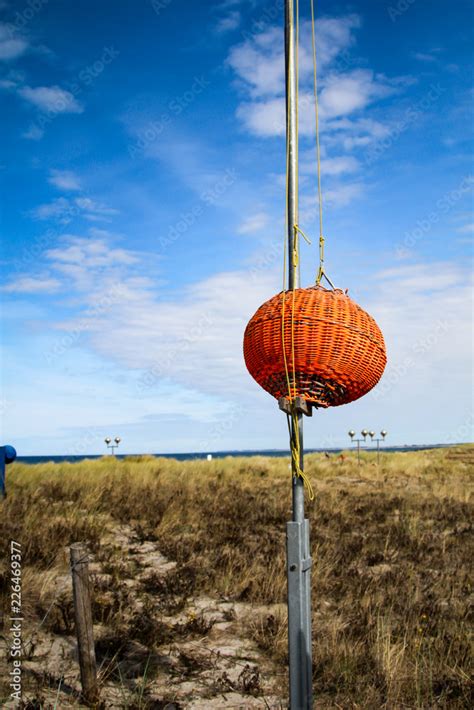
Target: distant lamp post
{"points": [[113, 445], [364, 434], [383, 434]]}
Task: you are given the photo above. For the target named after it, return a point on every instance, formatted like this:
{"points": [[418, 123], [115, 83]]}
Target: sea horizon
{"points": [[248, 453]]}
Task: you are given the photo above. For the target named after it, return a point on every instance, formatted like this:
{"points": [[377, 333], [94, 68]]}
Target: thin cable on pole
{"points": [[285, 247], [318, 149], [291, 248], [293, 251], [297, 140], [297, 88], [296, 260]]}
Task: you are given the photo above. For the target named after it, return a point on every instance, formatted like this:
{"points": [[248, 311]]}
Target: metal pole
{"points": [[297, 530], [378, 452], [358, 451]]}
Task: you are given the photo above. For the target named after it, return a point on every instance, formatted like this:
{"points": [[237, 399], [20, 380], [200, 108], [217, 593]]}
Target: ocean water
{"points": [[220, 454]]}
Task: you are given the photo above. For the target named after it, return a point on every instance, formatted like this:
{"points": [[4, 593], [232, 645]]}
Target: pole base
{"points": [[299, 615]]}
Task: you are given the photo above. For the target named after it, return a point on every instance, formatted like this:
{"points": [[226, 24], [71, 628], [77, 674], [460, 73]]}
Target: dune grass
{"points": [[391, 546]]}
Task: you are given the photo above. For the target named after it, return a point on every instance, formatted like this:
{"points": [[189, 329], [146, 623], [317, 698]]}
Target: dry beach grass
{"points": [[189, 579]]}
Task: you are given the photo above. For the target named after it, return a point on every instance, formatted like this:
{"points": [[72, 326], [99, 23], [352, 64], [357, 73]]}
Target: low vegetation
{"points": [[392, 548]]}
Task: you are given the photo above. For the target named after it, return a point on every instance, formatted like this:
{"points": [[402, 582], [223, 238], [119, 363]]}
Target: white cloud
{"points": [[342, 94], [89, 253], [263, 118], [253, 223], [259, 61], [424, 57], [32, 285], [346, 93], [193, 337], [467, 228], [11, 44], [344, 89], [416, 278], [229, 22], [90, 265], [336, 196], [90, 268], [51, 99], [333, 36], [93, 266], [59, 208], [34, 133], [64, 180], [64, 210], [424, 311], [337, 165], [351, 134], [341, 195], [93, 209]]}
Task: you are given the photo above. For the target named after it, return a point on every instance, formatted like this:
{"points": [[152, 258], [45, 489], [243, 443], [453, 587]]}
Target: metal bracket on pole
{"points": [[299, 405]]}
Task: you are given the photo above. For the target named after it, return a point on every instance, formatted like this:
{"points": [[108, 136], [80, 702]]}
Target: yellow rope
{"points": [[295, 454], [307, 239]]}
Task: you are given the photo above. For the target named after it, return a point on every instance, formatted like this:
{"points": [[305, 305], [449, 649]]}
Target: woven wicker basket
{"points": [[339, 349]]}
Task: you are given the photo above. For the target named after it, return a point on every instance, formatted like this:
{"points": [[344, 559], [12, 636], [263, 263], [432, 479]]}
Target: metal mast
{"points": [[297, 530]]}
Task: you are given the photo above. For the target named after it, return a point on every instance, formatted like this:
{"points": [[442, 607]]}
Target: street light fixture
{"points": [[383, 434], [352, 435], [365, 433], [111, 445]]}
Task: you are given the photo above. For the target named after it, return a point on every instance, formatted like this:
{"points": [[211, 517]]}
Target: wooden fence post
{"points": [[83, 621]]}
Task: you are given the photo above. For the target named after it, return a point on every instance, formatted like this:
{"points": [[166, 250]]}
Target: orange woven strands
{"points": [[339, 350]]}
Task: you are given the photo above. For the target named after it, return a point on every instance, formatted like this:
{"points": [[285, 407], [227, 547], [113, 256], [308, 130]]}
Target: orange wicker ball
{"points": [[339, 350]]}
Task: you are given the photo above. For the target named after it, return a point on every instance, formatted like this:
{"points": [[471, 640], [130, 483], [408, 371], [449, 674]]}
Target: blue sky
{"points": [[142, 178]]}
